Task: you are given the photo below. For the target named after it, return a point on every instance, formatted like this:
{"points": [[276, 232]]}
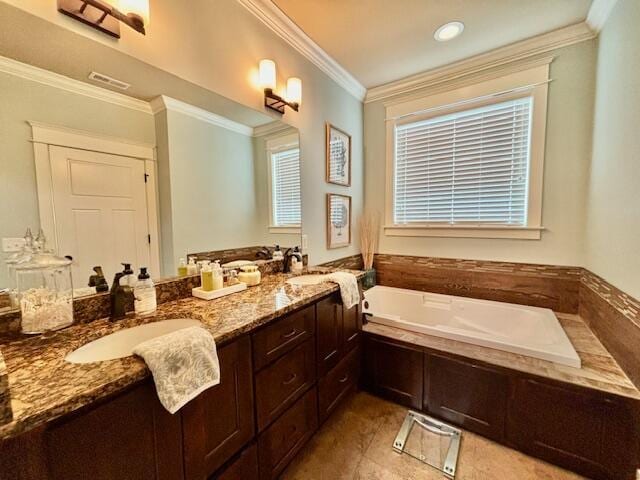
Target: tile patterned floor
{"points": [[355, 444]]}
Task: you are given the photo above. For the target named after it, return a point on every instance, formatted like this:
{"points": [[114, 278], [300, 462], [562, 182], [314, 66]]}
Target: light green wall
{"points": [[207, 181], [613, 220], [567, 153], [22, 100]]}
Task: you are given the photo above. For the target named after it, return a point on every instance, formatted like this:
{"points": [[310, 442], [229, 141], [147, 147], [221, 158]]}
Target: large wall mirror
{"points": [[112, 182]]}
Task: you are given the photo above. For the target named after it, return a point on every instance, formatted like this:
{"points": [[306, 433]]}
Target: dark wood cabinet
{"points": [[394, 371], [329, 332], [131, 436], [220, 421], [282, 382], [284, 334], [287, 435], [467, 394], [351, 328], [243, 467], [338, 383], [575, 428]]}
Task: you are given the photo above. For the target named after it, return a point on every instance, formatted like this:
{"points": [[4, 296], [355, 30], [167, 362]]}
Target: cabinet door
{"points": [[219, 422], [582, 431], [351, 326], [280, 443], [394, 371], [131, 436], [329, 318], [466, 394], [244, 467]]}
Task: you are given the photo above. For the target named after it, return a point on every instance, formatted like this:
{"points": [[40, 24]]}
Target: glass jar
{"points": [[44, 292], [250, 275]]}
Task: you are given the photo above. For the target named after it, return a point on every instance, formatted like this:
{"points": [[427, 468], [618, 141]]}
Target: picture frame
{"points": [[338, 156], [338, 220]]}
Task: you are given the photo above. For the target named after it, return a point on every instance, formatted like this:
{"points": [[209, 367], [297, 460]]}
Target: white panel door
{"points": [[100, 211]]}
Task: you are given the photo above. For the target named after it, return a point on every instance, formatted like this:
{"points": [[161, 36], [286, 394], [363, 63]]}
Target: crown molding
{"points": [[269, 14], [271, 128], [485, 61], [599, 13], [163, 102], [46, 77]]}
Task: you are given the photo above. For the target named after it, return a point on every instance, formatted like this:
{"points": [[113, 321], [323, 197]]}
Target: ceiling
{"points": [[379, 41]]}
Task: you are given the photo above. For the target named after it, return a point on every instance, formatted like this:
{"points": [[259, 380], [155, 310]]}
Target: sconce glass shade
{"points": [[294, 90], [267, 74], [139, 8]]}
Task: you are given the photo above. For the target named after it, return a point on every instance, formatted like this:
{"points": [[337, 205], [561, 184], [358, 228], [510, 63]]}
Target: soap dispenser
{"points": [[144, 294], [218, 276], [128, 279], [182, 268], [192, 266], [206, 277], [277, 254], [296, 261]]}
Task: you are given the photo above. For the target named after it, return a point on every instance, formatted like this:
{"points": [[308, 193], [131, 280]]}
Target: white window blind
{"points": [[285, 187], [469, 167]]}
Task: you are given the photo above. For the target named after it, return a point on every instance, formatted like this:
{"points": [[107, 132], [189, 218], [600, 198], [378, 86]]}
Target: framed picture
{"points": [[338, 156], [338, 220]]}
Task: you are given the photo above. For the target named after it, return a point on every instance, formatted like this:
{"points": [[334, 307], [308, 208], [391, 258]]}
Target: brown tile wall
{"points": [[527, 284], [614, 316], [354, 262]]}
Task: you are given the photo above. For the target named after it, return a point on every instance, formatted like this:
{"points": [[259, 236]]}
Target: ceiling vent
{"points": [[107, 80]]}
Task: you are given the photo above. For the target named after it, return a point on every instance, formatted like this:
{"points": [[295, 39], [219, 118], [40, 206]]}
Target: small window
{"points": [[465, 168], [285, 187]]}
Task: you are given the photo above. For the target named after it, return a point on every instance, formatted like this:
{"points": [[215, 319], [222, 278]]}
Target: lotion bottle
{"points": [[206, 277], [218, 276], [192, 267], [182, 268], [144, 294]]}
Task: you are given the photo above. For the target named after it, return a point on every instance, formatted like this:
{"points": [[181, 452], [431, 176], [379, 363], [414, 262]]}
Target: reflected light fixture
{"points": [[273, 101], [106, 16], [448, 31]]}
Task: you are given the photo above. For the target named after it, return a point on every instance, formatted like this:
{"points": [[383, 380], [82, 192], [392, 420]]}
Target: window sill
{"points": [[495, 231], [286, 230]]}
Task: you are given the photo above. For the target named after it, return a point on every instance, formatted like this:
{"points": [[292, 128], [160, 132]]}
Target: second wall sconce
{"points": [[272, 100], [106, 15]]}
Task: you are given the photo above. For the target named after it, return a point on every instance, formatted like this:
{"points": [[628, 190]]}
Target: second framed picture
{"points": [[338, 156], [338, 220]]}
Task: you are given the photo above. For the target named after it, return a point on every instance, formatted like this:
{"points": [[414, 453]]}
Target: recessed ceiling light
{"points": [[448, 31]]}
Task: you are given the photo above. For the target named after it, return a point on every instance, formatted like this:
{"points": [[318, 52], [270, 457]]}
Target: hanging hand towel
{"points": [[348, 284], [183, 363]]}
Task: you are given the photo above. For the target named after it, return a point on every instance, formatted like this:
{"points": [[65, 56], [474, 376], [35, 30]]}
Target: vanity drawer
{"points": [[283, 335], [286, 436], [244, 467], [282, 382], [338, 383]]}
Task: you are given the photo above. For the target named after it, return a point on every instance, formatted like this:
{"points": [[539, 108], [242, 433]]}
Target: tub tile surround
{"points": [[615, 317], [611, 314], [43, 386], [545, 286]]}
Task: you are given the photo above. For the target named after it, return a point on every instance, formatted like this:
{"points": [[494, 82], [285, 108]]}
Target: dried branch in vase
{"points": [[369, 226]]}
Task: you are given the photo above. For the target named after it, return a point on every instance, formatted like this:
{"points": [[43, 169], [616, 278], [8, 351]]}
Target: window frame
{"points": [[275, 145], [532, 82]]}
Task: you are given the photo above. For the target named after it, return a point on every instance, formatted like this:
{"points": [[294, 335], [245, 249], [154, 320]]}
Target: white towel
{"points": [[348, 284], [183, 363]]}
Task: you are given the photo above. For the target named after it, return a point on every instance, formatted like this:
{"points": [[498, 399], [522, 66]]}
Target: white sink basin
{"points": [[306, 280], [121, 344]]}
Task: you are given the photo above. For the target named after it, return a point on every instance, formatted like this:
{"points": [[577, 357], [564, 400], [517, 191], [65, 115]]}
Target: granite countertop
{"points": [[42, 386], [599, 369]]}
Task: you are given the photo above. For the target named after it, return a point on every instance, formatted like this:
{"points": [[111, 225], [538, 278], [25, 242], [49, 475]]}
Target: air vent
{"points": [[107, 80]]}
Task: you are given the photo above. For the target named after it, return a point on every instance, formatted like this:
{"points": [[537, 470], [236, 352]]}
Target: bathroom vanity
{"points": [[282, 374]]}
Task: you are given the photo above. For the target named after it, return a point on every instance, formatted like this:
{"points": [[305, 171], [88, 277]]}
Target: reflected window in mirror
{"points": [[284, 172]]}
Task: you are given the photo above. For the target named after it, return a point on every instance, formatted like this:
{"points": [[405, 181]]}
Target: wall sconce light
{"points": [[106, 16], [268, 84]]}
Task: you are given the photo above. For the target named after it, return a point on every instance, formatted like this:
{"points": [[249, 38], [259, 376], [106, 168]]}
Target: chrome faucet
{"points": [[121, 297]]}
